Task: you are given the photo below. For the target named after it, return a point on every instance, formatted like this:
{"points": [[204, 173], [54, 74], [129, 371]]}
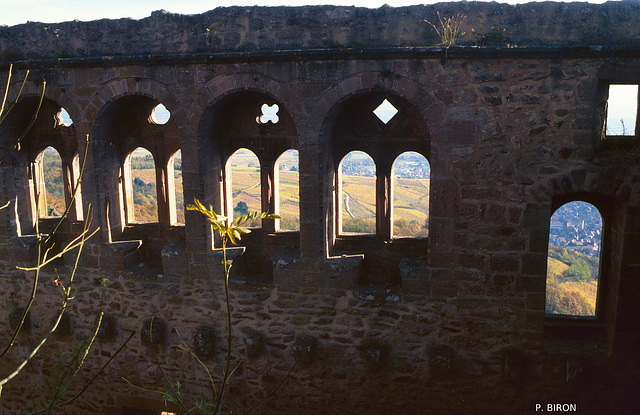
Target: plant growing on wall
{"points": [[230, 232], [448, 28], [45, 255]]}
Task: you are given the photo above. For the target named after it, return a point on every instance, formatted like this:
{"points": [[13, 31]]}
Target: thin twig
{"points": [[176, 395], [31, 123], [6, 90], [60, 389], [75, 190], [273, 390], [65, 301], [225, 377], [15, 101], [93, 378]]}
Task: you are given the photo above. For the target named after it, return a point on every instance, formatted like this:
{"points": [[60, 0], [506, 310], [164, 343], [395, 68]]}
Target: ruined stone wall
{"points": [[452, 324]]}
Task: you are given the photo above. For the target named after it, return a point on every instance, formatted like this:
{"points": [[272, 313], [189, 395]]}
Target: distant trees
{"points": [[145, 201], [240, 209], [572, 282], [581, 267], [404, 227], [359, 225], [52, 172]]}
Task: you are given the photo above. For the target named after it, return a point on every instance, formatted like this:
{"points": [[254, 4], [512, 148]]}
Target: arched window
{"points": [[144, 196], [288, 194], [243, 172], [573, 261], [175, 164], [51, 199], [411, 178], [357, 194]]}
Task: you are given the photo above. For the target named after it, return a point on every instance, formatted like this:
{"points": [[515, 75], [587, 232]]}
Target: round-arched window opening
{"points": [[288, 166], [160, 115], [573, 261], [356, 196], [64, 118], [411, 184]]}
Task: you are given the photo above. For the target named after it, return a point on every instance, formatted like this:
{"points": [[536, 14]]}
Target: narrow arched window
{"points": [[175, 164], [357, 194], [288, 195], [243, 171], [573, 261], [51, 199], [143, 186], [411, 178]]}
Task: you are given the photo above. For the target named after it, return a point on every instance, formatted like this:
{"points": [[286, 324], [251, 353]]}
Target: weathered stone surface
{"points": [[510, 132], [153, 331], [204, 344]]}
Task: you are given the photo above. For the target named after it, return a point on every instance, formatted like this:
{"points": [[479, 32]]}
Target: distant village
{"points": [[577, 226], [407, 166]]}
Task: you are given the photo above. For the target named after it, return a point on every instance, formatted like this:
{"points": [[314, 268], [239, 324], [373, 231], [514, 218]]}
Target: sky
{"points": [[53, 11]]}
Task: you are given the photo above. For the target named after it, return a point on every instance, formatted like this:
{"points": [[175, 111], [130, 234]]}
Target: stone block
{"points": [[254, 343], [204, 342], [343, 271], [534, 264], [375, 353], [441, 361], [175, 262], [153, 331], [286, 268], [108, 327], [16, 315], [305, 349], [415, 279]]}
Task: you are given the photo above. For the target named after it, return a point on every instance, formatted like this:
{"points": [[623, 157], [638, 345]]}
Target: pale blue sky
{"points": [[52, 11]]}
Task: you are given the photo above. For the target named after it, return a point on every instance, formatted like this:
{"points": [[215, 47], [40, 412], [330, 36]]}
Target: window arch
{"points": [[411, 182], [384, 125], [357, 194], [288, 192], [574, 261], [243, 184], [50, 184], [141, 193]]}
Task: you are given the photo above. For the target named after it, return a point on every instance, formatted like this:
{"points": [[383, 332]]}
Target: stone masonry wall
{"points": [[450, 325]]}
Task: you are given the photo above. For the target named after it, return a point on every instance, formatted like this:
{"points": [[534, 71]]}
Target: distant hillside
{"points": [[572, 282]]}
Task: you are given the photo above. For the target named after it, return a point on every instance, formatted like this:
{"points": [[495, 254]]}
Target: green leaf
{"points": [[231, 237], [243, 231], [235, 235]]}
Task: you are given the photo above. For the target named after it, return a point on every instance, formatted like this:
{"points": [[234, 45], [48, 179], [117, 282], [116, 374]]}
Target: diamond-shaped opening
{"points": [[385, 111]]}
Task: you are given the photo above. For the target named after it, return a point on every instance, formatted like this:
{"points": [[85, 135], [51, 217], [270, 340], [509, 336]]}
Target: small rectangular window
{"points": [[622, 110]]}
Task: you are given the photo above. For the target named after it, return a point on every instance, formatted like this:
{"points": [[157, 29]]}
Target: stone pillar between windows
{"points": [[384, 199], [162, 189], [268, 180]]}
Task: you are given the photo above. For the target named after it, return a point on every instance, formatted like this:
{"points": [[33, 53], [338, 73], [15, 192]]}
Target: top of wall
{"points": [[237, 29]]}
